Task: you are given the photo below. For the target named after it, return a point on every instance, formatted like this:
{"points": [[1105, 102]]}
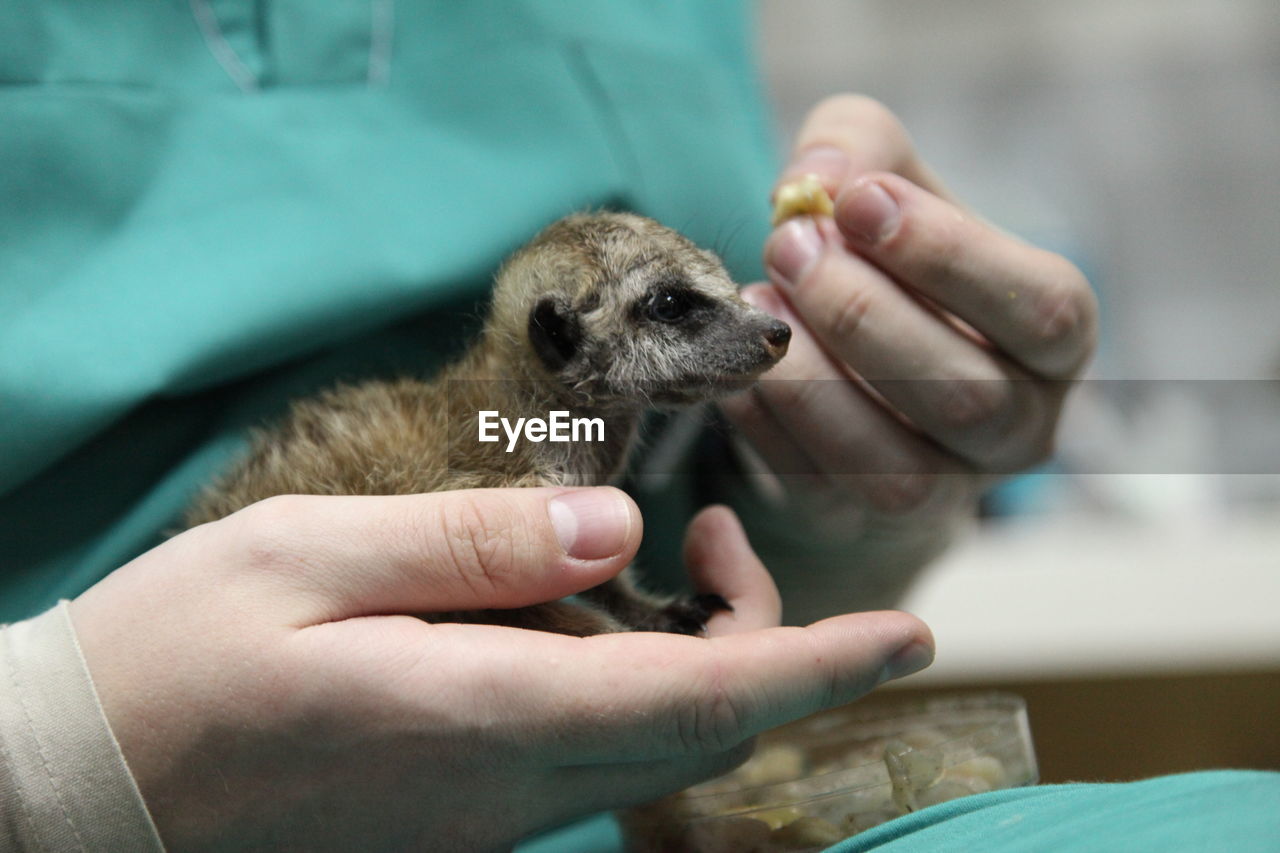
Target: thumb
{"points": [[341, 557]]}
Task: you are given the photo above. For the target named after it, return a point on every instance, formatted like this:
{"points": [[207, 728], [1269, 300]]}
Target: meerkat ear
{"points": [[554, 332]]}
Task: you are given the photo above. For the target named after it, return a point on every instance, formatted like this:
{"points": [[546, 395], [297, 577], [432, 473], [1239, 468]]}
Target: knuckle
{"points": [[267, 531], [713, 723], [1003, 426], [275, 511], [853, 305], [834, 682], [478, 542], [1063, 316], [942, 247], [977, 407]]}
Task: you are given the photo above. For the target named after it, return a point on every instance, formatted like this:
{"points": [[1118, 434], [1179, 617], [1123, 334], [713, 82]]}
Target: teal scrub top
{"points": [[207, 207], [1224, 811]]}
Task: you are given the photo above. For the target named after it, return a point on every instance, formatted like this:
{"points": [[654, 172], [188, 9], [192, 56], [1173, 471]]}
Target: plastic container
{"points": [[817, 781]]}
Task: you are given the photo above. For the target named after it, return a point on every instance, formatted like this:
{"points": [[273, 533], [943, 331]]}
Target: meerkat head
{"points": [[623, 311]]}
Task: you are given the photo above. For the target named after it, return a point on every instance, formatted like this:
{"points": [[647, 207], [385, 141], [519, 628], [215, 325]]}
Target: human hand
{"points": [[265, 694], [947, 344]]}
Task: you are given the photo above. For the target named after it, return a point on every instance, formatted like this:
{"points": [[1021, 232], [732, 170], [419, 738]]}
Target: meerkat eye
{"points": [[669, 306]]}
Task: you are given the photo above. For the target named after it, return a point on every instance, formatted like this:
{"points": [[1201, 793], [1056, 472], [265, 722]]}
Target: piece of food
{"points": [[804, 196], [778, 763], [911, 771], [986, 769]]}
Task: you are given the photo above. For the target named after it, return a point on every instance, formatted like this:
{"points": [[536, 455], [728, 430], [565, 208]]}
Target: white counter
{"points": [[1062, 597]]}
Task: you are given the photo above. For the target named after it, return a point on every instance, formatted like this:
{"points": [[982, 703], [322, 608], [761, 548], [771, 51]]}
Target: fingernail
{"points": [[868, 213], [826, 161], [909, 659], [591, 523], [794, 247]]}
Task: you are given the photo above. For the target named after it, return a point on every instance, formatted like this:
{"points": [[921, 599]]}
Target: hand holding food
{"points": [[931, 351]]}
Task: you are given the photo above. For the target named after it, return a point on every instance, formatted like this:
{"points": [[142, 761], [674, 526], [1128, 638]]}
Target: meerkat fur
{"points": [[603, 314]]}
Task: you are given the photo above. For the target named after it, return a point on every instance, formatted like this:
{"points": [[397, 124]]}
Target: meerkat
{"points": [[604, 315]]}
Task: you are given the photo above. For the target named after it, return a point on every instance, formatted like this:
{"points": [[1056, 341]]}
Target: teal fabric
{"points": [[1215, 810], [207, 207], [1226, 810]]}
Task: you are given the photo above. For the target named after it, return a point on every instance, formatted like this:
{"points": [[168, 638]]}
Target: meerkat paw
{"points": [[686, 615]]}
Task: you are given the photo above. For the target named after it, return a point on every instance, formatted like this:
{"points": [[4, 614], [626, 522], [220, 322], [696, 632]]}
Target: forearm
{"points": [[63, 783]]}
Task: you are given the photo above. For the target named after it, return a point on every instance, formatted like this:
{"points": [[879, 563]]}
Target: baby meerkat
{"points": [[603, 315]]}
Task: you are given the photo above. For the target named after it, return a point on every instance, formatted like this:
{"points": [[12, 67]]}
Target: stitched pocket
{"points": [[198, 45]]}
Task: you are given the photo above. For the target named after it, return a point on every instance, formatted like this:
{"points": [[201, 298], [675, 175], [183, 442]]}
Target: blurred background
{"points": [[1130, 590]]}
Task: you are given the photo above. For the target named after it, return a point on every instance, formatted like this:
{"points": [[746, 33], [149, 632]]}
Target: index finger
{"points": [[847, 136], [720, 560], [632, 697]]}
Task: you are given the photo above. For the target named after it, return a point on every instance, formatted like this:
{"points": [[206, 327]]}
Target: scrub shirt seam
{"points": [[222, 51], [382, 27], [625, 154]]}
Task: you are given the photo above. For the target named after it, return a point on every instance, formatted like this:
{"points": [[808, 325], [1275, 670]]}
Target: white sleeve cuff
{"points": [[64, 784]]}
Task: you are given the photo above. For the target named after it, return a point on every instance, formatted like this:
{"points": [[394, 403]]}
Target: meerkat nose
{"points": [[777, 336]]}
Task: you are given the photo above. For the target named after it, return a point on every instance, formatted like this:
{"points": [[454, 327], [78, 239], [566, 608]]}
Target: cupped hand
{"points": [[267, 694], [931, 351]]}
